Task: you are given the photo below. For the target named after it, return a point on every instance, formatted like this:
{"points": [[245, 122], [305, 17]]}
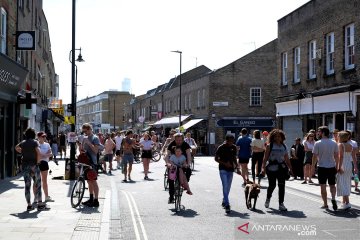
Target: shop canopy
{"points": [[170, 121], [190, 123]]}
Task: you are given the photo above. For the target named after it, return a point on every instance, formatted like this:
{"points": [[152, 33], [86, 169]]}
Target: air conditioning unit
{"points": [[318, 53]]}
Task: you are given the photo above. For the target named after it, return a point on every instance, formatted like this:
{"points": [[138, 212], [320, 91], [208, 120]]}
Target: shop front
{"points": [[12, 75]]}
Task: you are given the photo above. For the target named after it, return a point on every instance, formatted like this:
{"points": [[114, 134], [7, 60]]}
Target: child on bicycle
{"points": [[178, 160]]}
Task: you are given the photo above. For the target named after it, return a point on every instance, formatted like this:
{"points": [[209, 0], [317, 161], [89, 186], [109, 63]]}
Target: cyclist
{"points": [[90, 145], [179, 160], [185, 150], [189, 140], [168, 141]]}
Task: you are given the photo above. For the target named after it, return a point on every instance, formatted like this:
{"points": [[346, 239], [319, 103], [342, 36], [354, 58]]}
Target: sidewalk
{"points": [[60, 222]]}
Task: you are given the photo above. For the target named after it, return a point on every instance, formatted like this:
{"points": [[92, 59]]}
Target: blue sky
{"points": [[134, 38]]}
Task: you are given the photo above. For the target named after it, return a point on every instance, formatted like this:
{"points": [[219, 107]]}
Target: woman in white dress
{"points": [[344, 169]]}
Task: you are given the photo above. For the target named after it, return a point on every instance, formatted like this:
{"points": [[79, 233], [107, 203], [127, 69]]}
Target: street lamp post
{"points": [[180, 52]]}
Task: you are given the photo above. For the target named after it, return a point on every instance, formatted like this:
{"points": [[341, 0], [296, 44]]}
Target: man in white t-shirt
{"points": [[118, 139], [326, 153], [354, 156]]}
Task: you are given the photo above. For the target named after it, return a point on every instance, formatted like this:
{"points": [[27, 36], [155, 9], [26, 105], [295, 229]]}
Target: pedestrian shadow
{"points": [[255, 210], [26, 214], [87, 210], [236, 214], [6, 185], [186, 213], [290, 214], [350, 213]]}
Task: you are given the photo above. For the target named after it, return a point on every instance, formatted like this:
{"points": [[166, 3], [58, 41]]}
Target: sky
{"points": [[134, 38]]}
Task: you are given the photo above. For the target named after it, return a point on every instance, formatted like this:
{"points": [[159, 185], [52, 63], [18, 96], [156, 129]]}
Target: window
{"points": [[203, 97], [3, 24], [255, 96], [284, 67], [349, 47], [312, 59], [296, 64], [330, 53], [198, 99]]}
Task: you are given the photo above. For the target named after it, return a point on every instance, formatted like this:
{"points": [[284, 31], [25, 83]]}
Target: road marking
{"points": [[137, 234], [303, 196], [105, 220], [138, 217]]}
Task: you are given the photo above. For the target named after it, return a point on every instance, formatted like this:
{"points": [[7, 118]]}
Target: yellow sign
{"points": [[59, 111], [69, 120], [55, 103]]}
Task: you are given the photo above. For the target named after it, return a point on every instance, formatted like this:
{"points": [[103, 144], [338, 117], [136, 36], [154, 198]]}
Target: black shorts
{"points": [[118, 153], [327, 174], [108, 157], [244, 160], [146, 154], [44, 166]]}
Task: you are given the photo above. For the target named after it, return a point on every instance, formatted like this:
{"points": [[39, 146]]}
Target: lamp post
{"points": [[177, 51]]}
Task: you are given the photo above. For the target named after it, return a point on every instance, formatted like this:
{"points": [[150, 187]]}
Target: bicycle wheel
{"points": [[177, 196], [192, 164], [166, 177], [77, 192], [156, 155]]}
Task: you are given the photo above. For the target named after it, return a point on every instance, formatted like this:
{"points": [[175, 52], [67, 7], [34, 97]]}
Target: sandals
{"points": [[324, 207]]}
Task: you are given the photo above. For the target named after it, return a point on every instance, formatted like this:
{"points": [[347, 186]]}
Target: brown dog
{"points": [[252, 190]]}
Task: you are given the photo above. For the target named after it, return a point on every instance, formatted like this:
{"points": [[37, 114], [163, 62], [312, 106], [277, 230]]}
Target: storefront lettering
{"points": [[244, 122]]}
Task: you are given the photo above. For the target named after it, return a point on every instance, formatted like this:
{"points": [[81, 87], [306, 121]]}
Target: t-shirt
{"points": [[118, 140], [190, 141], [184, 146], [309, 145], [258, 143], [147, 144], [28, 151], [353, 144], [44, 148], [245, 148], [325, 149], [277, 154], [92, 155], [178, 161], [226, 153]]}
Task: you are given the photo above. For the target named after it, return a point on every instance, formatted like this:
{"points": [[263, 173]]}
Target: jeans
{"points": [[226, 180], [272, 177]]}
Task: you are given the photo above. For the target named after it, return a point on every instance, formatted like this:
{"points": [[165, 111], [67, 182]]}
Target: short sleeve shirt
{"points": [[184, 146], [44, 148], [244, 142], [147, 144], [325, 149], [28, 150], [92, 155], [177, 160], [226, 153]]}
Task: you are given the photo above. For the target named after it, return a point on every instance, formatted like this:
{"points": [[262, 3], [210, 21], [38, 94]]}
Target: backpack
{"points": [[282, 167]]}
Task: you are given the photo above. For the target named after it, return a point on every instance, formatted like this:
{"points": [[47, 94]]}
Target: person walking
{"points": [[54, 148], [225, 155], [128, 145], [45, 154], [258, 149], [109, 151], [62, 145], [29, 148], [344, 169], [276, 164], [90, 145], [118, 140], [146, 145], [354, 154], [243, 144], [308, 147], [326, 153]]}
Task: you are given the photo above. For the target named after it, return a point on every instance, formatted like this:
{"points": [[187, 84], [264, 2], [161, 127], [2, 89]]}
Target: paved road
{"points": [[140, 211]]}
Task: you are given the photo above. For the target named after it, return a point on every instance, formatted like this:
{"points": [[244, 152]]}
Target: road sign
{"points": [[59, 111]]}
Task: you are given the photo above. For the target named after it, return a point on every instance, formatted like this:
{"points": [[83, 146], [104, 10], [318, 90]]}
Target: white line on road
{"points": [[138, 217], [105, 220], [137, 234]]}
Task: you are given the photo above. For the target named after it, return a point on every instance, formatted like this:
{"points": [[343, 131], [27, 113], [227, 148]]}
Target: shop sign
{"points": [[247, 122]]}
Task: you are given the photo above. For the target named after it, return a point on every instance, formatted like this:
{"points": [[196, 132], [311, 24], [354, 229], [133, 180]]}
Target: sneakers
{"points": [[304, 182], [223, 205], [49, 199], [95, 203], [334, 204], [171, 200], [146, 178], [345, 206], [282, 207], [29, 208], [227, 209], [267, 202], [88, 203], [110, 172], [43, 207]]}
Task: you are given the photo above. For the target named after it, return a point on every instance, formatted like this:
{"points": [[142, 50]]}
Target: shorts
{"points": [[90, 171], [118, 153], [127, 158], [146, 154], [308, 158], [108, 157], [327, 174], [244, 160], [43, 166]]}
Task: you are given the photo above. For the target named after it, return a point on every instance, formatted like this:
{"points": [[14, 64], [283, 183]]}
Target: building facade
{"points": [[318, 73], [105, 111]]}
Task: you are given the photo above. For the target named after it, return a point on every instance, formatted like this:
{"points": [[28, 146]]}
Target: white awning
{"points": [[339, 102], [190, 123], [170, 121]]}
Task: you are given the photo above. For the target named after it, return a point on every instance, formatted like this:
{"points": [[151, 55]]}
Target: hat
{"points": [[265, 133], [41, 134]]}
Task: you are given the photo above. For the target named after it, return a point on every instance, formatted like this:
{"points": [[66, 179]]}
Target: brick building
{"points": [[104, 111], [318, 68]]}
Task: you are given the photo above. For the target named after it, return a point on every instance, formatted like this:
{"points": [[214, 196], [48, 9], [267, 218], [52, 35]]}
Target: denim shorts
{"points": [[127, 158]]}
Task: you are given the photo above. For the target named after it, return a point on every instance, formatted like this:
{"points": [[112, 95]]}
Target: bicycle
{"points": [[178, 191], [156, 155], [78, 189], [166, 177]]}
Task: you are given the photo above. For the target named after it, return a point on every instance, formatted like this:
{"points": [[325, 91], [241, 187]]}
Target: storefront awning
{"points": [[170, 121], [190, 123]]}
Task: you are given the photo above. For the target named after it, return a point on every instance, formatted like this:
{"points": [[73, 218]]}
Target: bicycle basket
{"points": [[83, 158]]}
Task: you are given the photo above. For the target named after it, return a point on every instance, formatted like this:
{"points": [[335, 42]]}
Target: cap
{"points": [[265, 133], [41, 134]]}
